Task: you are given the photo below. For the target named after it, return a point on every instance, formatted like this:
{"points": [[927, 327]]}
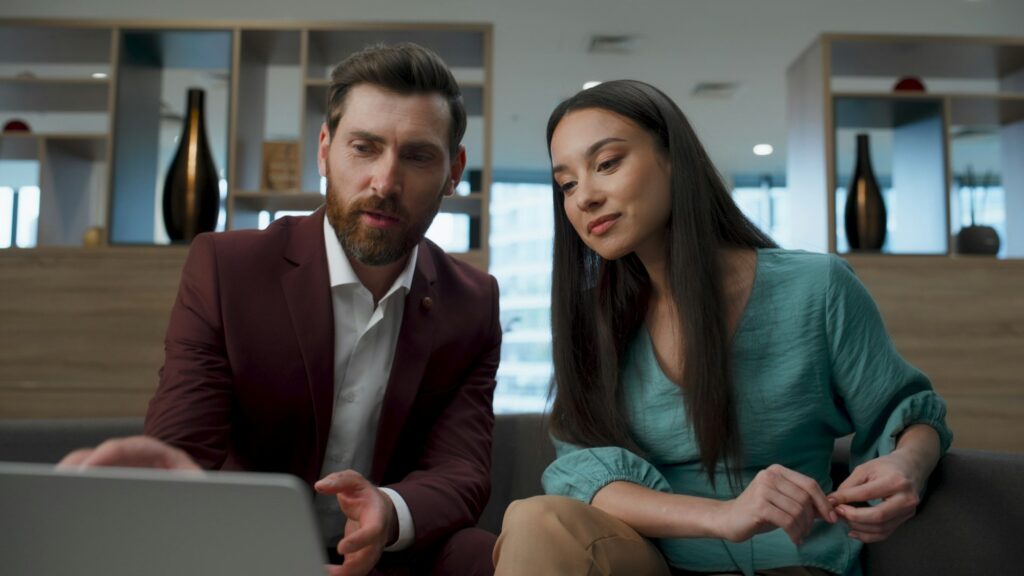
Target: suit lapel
{"points": [[415, 342], [307, 292]]}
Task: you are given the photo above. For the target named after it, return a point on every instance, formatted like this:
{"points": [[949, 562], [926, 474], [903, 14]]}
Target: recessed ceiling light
{"points": [[763, 149], [590, 84], [99, 75]]}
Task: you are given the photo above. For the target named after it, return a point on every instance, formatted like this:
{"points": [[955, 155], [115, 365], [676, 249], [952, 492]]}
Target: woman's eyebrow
{"points": [[590, 151]]}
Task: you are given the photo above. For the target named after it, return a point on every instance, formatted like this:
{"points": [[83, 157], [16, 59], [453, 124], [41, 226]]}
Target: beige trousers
{"points": [[558, 536]]}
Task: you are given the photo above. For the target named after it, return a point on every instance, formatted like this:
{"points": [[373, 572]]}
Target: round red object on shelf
{"points": [[909, 84], [16, 126]]}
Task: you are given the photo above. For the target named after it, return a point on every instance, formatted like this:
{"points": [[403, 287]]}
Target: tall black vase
{"points": [[865, 207], [191, 192]]}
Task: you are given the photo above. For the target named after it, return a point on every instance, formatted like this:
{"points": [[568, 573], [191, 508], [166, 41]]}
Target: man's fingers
{"points": [[333, 570], [361, 538], [358, 564], [75, 459], [132, 452], [344, 481]]}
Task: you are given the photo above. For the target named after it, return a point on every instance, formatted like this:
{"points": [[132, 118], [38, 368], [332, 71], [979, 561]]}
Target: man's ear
{"points": [[457, 168], [323, 149]]}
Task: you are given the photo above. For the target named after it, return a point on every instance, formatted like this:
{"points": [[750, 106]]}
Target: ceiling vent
{"points": [[715, 90], [612, 44]]}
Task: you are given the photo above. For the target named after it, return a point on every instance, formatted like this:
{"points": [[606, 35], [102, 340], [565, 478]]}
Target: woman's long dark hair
{"points": [[598, 305]]}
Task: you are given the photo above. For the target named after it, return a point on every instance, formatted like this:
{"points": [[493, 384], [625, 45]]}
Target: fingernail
{"points": [[832, 500], [832, 517]]}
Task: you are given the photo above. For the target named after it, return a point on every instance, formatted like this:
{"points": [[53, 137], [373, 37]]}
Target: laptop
{"points": [[129, 521]]}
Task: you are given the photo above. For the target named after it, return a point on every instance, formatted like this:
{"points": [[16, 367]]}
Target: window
{"points": [[522, 232]]}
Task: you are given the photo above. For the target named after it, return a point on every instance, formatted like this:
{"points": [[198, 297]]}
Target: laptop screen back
{"points": [[119, 521]]}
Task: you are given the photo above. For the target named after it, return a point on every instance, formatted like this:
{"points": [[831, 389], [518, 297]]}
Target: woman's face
{"points": [[615, 183]]}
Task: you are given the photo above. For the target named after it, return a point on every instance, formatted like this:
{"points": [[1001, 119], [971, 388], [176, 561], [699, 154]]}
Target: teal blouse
{"points": [[812, 362]]}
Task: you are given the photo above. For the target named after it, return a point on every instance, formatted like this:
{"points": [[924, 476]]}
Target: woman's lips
{"points": [[603, 224]]}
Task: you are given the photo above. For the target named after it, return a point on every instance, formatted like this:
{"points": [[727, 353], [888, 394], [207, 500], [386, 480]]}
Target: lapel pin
{"points": [[427, 303]]}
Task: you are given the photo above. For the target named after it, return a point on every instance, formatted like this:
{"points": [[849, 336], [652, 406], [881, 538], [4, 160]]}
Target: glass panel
{"points": [[522, 231], [450, 232], [6, 215], [28, 217]]}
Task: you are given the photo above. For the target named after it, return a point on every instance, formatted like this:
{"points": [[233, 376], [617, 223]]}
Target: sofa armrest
{"points": [[967, 523], [521, 452]]}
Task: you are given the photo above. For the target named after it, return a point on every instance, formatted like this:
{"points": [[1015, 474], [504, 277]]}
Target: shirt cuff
{"points": [[406, 531]]}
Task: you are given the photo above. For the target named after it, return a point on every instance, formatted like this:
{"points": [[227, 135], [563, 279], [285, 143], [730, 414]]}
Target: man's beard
{"points": [[375, 246]]}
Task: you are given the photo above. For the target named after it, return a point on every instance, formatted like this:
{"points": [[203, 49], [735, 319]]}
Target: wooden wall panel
{"points": [[961, 321], [81, 332]]}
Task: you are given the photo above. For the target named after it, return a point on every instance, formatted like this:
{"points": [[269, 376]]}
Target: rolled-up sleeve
{"points": [[881, 393], [580, 472]]}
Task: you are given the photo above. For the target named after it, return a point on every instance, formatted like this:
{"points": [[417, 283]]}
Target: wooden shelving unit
{"points": [[841, 85], [104, 98]]}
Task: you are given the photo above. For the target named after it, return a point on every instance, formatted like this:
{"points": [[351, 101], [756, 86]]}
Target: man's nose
{"points": [[387, 175]]}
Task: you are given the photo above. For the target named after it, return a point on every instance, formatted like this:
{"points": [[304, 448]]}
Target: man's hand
{"points": [[130, 452], [371, 522], [895, 478], [777, 498]]}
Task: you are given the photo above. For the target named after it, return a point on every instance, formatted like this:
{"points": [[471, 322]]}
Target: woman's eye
{"points": [[607, 164], [567, 187]]}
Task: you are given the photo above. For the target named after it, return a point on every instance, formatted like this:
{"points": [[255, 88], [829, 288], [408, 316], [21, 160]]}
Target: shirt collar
{"points": [[340, 269]]}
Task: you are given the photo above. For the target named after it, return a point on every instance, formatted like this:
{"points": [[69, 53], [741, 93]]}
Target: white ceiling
{"points": [[540, 51]]}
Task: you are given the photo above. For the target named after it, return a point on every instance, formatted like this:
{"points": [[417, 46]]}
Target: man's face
{"points": [[387, 166]]}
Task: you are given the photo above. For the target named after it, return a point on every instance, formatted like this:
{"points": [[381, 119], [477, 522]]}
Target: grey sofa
{"points": [[969, 523]]}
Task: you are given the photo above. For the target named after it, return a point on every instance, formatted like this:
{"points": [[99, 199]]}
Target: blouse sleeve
{"points": [[882, 394], [580, 473]]}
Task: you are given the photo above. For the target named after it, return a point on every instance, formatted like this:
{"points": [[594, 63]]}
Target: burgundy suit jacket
{"points": [[248, 378]]}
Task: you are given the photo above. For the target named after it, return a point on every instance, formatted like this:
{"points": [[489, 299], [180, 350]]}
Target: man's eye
{"points": [[362, 148]]}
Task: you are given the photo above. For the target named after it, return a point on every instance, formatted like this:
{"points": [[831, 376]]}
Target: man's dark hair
{"points": [[404, 68]]}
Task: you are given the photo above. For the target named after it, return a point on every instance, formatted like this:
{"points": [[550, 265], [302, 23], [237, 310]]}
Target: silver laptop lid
{"points": [[127, 521]]}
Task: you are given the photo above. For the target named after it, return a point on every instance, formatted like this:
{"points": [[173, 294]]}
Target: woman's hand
{"points": [[896, 479], [777, 498]]}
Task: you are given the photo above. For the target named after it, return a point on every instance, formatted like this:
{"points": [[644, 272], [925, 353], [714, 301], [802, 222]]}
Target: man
{"points": [[343, 346]]}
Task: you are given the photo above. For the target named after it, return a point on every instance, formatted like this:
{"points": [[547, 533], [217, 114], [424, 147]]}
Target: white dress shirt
{"points": [[365, 337]]}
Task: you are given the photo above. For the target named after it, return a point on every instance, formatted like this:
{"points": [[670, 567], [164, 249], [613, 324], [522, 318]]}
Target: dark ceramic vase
{"points": [[865, 207], [191, 198], [982, 240]]}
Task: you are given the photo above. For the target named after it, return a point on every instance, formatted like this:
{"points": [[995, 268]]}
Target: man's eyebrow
{"points": [[364, 135], [591, 150]]}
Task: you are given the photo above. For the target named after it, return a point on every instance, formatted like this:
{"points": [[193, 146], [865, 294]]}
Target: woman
{"points": [[703, 374]]}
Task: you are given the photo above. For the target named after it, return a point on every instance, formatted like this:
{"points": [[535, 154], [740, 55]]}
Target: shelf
{"points": [[274, 201], [993, 111], [49, 95], [29, 44], [883, 111], [19, 147], [460, 48], [469, 204], [923, 56], [264, 81]]}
